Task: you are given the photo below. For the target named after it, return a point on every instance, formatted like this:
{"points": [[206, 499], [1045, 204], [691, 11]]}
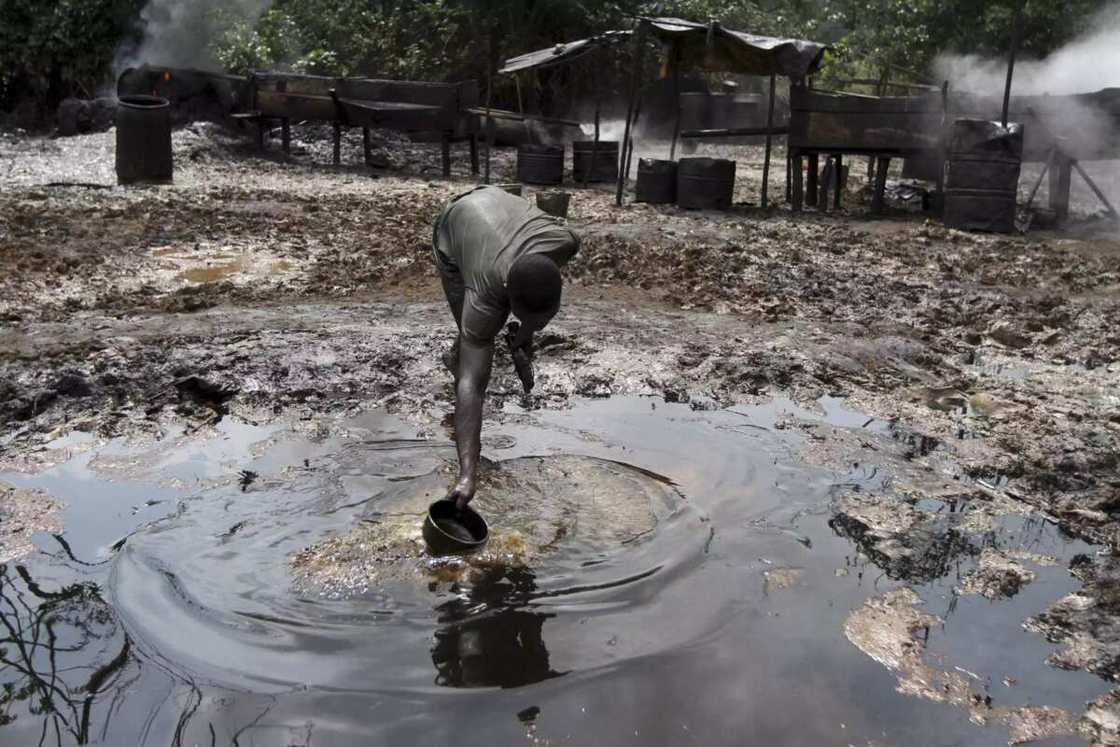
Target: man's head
{"points": [[534, 286]]}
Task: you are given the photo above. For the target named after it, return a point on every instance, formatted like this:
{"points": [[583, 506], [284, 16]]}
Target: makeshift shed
{"points": [[688, 45]]}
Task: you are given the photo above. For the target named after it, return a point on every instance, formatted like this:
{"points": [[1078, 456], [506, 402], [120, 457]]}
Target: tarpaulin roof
{"points": [[699, 46], [714, 48], [561, 53]]}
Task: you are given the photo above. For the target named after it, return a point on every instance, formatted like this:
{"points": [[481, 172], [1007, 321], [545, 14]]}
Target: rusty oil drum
{"points": [[540, 164], [705, 183], [982, 176], [657, 182], [144, 140], [606, 161]]}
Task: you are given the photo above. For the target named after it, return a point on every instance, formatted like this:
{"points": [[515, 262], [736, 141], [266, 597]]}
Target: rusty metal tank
{"points": [[540, 164], [144, 140], [657, 181], [705, 183], [982, 175]]}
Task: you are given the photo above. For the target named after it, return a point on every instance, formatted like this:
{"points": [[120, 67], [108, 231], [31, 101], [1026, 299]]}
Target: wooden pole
{"points": [[1016, 35], [594, 147], [1096, 190], [766, 159], [489, 123], [629, 113], [677, 99], [1041, 176], [630, 150]]}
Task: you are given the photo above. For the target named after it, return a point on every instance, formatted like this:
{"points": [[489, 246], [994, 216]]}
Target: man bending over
{"points": [[496, 254]]}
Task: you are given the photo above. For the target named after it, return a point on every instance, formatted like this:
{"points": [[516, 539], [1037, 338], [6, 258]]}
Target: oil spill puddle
{"points": [[197, 264], [656, 574]]}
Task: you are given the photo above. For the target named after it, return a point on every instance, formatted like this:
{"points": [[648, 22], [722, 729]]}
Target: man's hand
{"points": [[520, 349], [463, 492]]}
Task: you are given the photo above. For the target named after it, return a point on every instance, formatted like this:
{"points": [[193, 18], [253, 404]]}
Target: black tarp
{"points": [[699, 46]]}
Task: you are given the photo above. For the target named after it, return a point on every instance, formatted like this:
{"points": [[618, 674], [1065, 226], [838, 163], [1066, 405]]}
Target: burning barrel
{"points": [[540, 164], [605, 168], [982, 179], [144, 140], [705, 183], [657, 181]]}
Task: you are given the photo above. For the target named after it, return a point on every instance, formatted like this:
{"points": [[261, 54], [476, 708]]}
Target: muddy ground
{"points": [[277, 288]]}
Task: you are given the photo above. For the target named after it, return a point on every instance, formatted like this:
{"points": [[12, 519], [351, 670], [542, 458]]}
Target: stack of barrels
{"points": [[544, 164]]}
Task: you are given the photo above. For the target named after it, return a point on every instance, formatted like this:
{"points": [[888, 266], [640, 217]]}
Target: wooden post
{"points": [[367, 148], [789, 174], [878, 196], [1016, 35], [1060, 175], [339, 115], [814, 172], [1041, 176], [489, 124], [629, 113], [474, 153], [594, 148], [677, 99], [445, 153], [826, 182], [839, 169], [630, 150], [766, 158], [798, 196], [1096, 190], [285, 126]]}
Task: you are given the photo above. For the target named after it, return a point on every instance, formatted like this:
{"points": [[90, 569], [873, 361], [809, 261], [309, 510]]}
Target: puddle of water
{"points": [[725, 618], [195, 266]]}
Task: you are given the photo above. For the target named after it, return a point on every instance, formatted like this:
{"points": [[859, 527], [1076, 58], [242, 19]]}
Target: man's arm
{"points": [[474, 375]]}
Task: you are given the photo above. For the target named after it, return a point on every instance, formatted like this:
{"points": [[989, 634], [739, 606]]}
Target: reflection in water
{"points": [[62, 654], [487, 638]]}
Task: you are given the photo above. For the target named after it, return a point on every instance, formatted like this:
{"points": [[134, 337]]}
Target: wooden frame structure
{"points": [[265, 97]]}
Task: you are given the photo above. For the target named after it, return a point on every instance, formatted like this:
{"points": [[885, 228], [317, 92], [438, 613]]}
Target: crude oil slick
{"points": [[271, 581]]}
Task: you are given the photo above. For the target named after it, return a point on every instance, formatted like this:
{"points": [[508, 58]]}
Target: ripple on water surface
{"points": [[267, 587]]}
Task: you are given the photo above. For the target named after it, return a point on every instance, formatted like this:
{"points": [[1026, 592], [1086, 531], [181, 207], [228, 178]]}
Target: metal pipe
{"points": [[1016, 35]]}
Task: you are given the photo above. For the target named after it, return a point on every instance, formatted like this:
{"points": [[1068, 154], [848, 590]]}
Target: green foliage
{"points": [[57, 48]]}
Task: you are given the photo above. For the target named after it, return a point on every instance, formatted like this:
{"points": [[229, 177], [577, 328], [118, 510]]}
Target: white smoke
{"points": [[179, 33], [1088, 63]]}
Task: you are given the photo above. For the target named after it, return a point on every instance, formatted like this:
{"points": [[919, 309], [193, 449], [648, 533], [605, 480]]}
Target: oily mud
{"points": [[206, 388]]}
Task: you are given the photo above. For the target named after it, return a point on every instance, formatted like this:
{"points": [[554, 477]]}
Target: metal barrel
{"points": [[606, 160], [144, 140], [657, 181], [540, 164], [705, 183], [982, 175]]}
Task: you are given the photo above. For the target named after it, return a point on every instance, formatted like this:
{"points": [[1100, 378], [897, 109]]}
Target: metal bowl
{"points": [[451, 531]]}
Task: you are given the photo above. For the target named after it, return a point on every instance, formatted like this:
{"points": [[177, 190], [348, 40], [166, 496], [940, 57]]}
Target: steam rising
{"points": [[1089, 63], [178, 33]]}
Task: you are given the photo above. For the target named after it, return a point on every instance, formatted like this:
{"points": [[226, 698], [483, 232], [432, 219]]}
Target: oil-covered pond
{"points": [[656, 575]]}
